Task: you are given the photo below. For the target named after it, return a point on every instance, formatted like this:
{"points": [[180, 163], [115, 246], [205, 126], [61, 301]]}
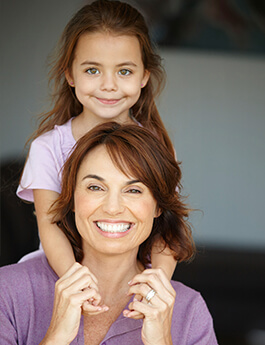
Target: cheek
{"points": [[83, 205], [146, 211]]}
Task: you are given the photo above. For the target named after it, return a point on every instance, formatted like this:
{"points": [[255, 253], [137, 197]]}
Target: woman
{"points": [[118, 193]]}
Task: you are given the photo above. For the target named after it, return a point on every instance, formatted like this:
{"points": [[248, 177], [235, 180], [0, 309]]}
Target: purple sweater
{"points": [[26, 303]]}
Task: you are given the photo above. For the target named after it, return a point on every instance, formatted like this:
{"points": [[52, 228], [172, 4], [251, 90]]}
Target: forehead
{"points": [[98, 161], [109, 45]]}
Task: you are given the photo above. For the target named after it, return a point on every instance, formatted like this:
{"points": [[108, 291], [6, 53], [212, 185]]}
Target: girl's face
{"points": [[114, 213], [108, 74]]}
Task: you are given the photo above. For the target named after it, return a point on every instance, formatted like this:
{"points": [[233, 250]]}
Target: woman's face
{"points": [[114, 213]]}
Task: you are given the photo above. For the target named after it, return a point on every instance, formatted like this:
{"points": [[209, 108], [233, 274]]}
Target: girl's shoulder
{"points": [[61, 133]]}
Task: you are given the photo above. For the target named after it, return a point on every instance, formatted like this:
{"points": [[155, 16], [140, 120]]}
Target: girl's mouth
{"points": [[108, 101]]}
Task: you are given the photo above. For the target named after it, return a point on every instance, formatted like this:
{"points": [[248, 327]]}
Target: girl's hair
{"points": [[108, 17], [136, 152]]}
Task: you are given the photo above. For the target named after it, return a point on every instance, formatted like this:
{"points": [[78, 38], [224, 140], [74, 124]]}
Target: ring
{"points": [[150, 295]]}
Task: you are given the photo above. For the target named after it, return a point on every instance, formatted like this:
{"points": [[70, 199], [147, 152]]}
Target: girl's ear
{"points": [[69, 78], [145, 78]]}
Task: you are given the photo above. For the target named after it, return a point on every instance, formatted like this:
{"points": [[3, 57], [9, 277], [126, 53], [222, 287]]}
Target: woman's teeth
{"points": [[111, 227]]}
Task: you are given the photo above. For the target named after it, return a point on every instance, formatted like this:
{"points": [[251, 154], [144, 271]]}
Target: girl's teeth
{"points": [[118, 227]]}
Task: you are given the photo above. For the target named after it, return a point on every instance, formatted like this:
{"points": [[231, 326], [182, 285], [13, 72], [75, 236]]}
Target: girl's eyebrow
{"points": [[125, 63], [90, 63], [102, 179]]}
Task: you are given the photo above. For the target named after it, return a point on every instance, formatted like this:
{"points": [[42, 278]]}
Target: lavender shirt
{"points": [[47, 155], [26, 303]]}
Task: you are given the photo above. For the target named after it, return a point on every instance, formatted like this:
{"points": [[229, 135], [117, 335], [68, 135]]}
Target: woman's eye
{"points": [[95, 188], [124, 72], [134, 191], [92, 70]]}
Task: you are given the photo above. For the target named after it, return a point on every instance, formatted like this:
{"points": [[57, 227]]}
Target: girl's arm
{"points": [[163, 258], [56, 246]]}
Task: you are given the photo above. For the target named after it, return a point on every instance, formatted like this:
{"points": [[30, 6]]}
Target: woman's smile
{"points": [[113, 227], [114, 230]]}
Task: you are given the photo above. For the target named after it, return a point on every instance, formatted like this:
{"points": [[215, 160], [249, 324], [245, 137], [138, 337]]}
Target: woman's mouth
{"points": [[113, 227]]}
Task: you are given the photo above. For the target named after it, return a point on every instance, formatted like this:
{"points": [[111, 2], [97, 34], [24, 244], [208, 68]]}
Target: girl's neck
{"points": [[83, 123]]}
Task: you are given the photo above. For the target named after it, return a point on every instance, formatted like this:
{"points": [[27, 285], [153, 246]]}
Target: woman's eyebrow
{"points": [[132, 182], [93, 176], [102, 179]]}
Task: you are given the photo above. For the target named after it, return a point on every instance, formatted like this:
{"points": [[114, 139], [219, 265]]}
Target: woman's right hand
{"points": [[75, 291]]}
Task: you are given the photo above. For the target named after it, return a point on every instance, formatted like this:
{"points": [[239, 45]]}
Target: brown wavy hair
{"points": [[118, 18], [136, 152]]}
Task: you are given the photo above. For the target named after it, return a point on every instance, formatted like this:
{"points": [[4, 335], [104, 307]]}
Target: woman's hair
{"points": [[118, 18], [136, 152]]}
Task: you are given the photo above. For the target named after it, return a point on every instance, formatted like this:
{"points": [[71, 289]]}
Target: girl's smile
{"points": [[107, 74]]}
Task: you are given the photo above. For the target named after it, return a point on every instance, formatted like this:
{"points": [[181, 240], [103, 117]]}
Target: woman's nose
{"points": [[108, 82], [113, 204]]}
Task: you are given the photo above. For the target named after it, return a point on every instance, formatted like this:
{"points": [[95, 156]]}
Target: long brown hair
{"points": [[105, 16], [135, 151]]}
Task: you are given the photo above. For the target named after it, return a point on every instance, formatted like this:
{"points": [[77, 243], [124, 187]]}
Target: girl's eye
{"points": [[92, 71], [124, 72], [95, 188]]}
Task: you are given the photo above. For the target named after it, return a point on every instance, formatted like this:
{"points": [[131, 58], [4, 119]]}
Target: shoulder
{"points": [[182, 289], [26, 301], [186, 297], [191, 321], [20, 277], [58, 135]]}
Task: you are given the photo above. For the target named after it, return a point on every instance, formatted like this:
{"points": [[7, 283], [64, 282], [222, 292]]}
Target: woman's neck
{"points": [[113, 273]]}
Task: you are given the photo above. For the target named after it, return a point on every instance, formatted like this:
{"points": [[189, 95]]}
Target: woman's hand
{"points": [[154, 285], [75, 291]]}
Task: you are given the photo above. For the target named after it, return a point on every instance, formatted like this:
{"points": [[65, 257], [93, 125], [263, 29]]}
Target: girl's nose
{"points": [[108, 82], [113, 204]]}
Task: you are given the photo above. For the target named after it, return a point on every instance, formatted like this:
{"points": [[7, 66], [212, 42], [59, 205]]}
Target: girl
{"points": [[106, 69]]}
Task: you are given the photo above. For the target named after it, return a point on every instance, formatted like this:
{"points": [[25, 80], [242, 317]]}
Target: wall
{"points": [[213, 106]]}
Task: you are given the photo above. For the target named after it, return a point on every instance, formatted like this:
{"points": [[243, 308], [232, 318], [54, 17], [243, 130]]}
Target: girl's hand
{"points": [[73, 291], [158, 310]]}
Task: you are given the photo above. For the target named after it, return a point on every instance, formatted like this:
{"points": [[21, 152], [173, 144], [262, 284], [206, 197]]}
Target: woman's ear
{"points": [[69, 78], [145, 78], [158, 212]]}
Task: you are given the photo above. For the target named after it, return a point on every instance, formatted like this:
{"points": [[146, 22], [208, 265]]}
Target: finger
{"points": [[76, 266], [132, 314], [143, 290], [79, 279], [157, 280], [82, 283], [148, 275], [89, 309], [138, 298], [141, 308], [76, 270]]}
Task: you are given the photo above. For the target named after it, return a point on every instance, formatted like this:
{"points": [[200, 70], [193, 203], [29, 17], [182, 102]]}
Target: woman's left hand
{"points": [[154, 285]]}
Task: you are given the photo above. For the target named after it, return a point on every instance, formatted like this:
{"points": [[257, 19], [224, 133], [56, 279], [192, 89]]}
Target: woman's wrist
{"points": [[53, 339]]}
